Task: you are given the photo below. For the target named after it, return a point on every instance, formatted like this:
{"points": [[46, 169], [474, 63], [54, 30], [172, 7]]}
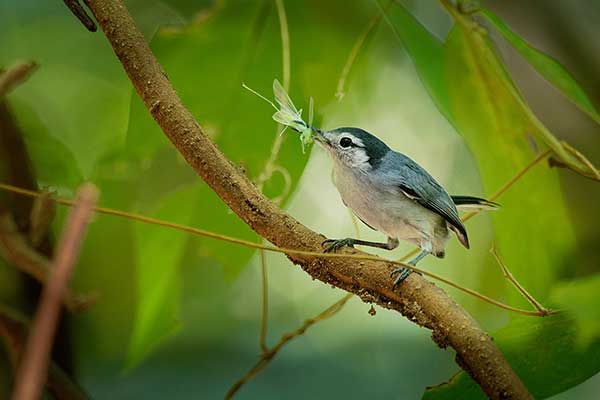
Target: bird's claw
{"points": [[336, 244], [402, 272]]}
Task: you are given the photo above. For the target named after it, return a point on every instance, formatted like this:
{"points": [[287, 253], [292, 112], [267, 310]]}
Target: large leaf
{"points": [[158, 252], [56, 165], [80, 92], [426, 51], [493, 119], [423, 47], [496, 128], [580, 298], [547, 66], [543, 352]]}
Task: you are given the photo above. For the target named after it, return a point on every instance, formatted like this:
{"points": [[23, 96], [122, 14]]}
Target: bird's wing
{"points": [[417, 184]]}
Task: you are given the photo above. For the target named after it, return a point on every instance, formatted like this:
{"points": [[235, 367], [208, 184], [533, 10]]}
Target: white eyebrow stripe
{"points": [[357, 141]]}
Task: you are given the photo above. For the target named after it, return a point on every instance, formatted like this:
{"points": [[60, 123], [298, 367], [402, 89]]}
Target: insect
{"points": [[288, 115]]}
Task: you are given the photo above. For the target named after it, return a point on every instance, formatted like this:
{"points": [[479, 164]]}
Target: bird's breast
{"points": [[387, 210]]}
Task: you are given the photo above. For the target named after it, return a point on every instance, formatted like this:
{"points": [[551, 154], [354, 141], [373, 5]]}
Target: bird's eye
{"points": [[345, 142]]}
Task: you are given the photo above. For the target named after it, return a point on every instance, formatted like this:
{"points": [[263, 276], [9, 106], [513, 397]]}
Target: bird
{"points": [[392, 194]]}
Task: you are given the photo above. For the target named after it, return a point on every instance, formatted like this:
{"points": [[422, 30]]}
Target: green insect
{"points": [[288, 115]]}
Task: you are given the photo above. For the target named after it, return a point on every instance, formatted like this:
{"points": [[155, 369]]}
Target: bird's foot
{"points": [[335, 244], [402, 272]]}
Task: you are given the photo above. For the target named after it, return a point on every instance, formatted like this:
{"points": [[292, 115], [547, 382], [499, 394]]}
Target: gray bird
{"points": [[394, 195]]}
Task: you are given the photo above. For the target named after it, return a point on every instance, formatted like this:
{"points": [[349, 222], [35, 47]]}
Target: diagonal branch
{"points": [[33, 368], [417, 299]]}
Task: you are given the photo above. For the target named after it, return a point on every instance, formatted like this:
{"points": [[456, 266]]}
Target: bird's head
{"points": [[353, 147]]}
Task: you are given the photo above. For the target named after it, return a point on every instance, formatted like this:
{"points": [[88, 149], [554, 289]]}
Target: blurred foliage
{"points": [[527, 344], [81, 120], [547, 66], [472, 87]]}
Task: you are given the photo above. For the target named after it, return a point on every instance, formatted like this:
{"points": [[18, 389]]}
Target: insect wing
{"points": [[282, 97]]}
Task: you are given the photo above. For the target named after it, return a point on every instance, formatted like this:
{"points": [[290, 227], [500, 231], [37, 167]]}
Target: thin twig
{"points": [[265, 350], [40, 218], [288, 251], [268, 356], [15, 75], [340, 92], [511, 182], [271, 167], [14, 247], [32, 371], [508, 275], [78, 10]]}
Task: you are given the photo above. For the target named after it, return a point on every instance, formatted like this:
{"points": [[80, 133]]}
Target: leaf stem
{"points": [[508, 275], [373, 22]]}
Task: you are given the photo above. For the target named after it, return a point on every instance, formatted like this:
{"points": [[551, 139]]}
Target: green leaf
{"points": [[158, 252], [423, 48], [544, 353], [80, 91], [580, 298], [492, 121], [547, 66], [485, 107], [426, 51], [55, 163]]}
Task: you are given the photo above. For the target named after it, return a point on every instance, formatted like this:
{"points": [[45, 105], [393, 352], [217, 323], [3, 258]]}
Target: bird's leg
{"points": [[337, 243], [404, 272]]}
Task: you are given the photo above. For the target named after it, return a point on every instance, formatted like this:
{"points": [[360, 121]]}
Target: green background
{"points": [[179, 316]]}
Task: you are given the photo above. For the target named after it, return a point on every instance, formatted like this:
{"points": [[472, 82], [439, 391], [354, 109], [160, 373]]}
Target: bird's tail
{"points": [[470, 203]]}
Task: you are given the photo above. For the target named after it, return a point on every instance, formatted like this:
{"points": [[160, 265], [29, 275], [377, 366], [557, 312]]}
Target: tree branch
{"points": [[14, 76], [15, 249], [417, 299], [32, 372], [81, 15], [13, 329]]}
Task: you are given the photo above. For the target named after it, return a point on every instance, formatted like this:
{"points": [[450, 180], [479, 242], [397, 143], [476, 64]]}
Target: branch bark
{"points": [[419, 300]]}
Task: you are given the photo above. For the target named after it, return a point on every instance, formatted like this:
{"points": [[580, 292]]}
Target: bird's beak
{"points": [[319, 136]]}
